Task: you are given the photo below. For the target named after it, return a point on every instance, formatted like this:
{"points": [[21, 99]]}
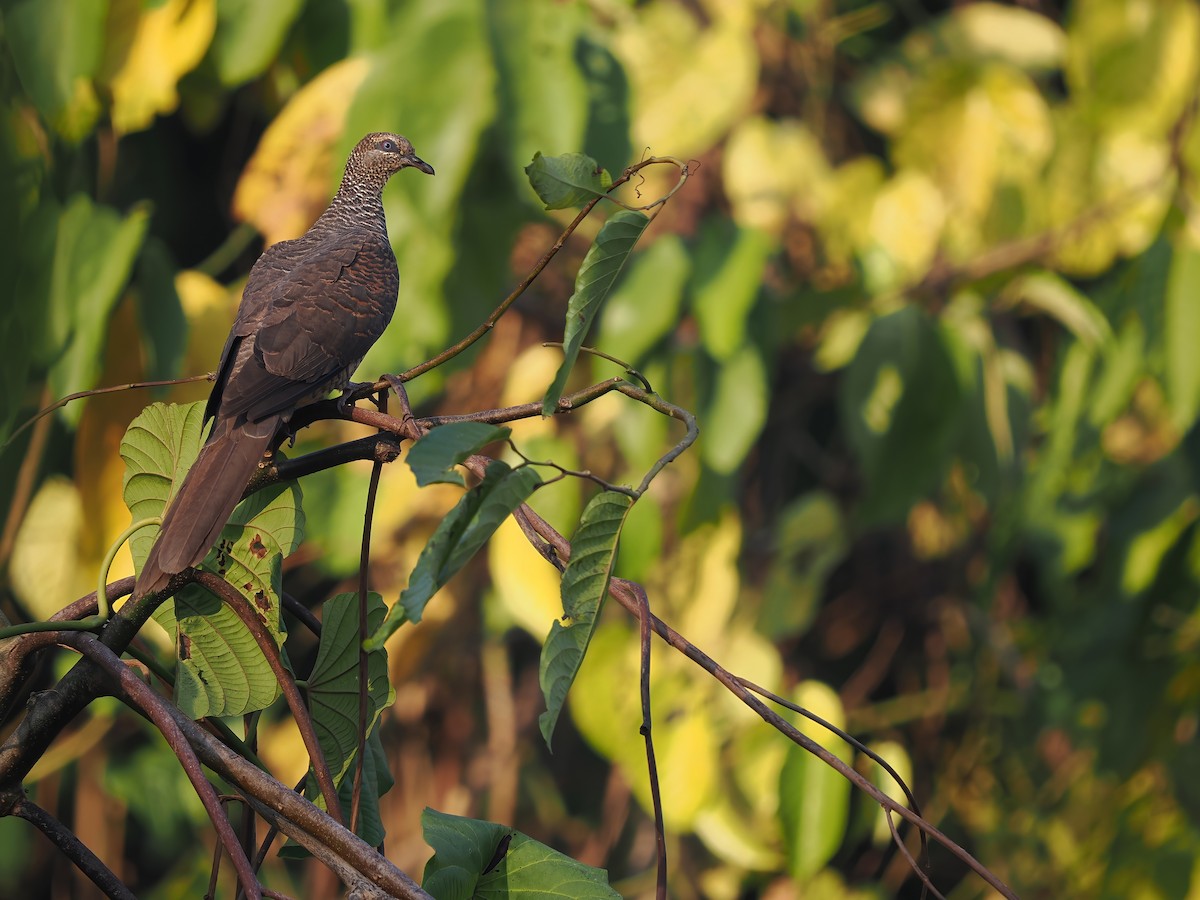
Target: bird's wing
{"points": [[321, 318], [269, 269]]}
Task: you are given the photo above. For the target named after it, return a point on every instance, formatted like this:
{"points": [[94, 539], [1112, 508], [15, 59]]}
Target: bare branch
{"points": [[72, 848]]}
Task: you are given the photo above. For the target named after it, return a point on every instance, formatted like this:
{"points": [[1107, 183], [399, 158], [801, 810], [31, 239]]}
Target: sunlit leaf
{"points": [[584, 586], [1048, 293], [166, 40], [771, 167], [1018, 36], [568, 180], [690, 81], [221, 670], [45, 566], [905, 231], [897, 757], [527, 587], [293, 172], [595, 279], [1135, 64]]}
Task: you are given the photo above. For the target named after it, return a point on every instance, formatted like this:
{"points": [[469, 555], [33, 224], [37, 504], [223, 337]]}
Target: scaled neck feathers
{"points": [[357, 204]]}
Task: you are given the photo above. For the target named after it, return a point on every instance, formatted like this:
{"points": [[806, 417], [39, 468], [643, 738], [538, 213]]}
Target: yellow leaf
{"points": [[685, 747], [210, 308], [897, 757], [710, 599], [845, 221], [906, 227], [1019, 36], [291, 176], [46, 569], [168, 40], [1134, 62], [689, 82], [769, 168], [971, 129], [526, 585]]}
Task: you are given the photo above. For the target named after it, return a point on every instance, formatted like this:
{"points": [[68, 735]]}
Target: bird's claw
{"points": [[345, 402]]}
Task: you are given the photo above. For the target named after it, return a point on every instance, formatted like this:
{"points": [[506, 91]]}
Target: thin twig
{"points": [[553, 544], [660, 834], [490, 322], [913, 864], [853, 742], [112, 389], [363, 633], [73, 849], [26, 479]]}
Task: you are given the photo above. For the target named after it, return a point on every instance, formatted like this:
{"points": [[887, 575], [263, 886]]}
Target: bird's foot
{"points": [[345, 402]]}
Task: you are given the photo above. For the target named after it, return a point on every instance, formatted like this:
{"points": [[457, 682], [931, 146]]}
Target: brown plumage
{"points": [[311, 309]]}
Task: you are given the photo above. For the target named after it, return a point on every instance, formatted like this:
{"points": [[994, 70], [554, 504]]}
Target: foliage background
{"points": [[934, 293]]}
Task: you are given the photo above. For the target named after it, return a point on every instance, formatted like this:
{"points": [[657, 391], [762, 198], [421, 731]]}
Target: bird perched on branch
{"points": [[311, 309]]}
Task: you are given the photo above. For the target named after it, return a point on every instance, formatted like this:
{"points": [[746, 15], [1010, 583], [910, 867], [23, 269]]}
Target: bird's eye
{"points": [[388, 145]]}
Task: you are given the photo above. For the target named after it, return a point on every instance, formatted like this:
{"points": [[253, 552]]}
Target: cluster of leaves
{"points": [[934, 310]]}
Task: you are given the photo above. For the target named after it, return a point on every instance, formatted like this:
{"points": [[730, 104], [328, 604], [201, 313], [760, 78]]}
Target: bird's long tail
{"points": [[210, 491]]}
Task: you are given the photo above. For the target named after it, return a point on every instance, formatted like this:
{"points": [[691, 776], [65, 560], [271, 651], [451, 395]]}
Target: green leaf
{"points": [[463, 848], [56, 46], [333, 698], [95, 249], [738, 409], [333, 683], [596, 276], [221, 670], [1182, 311], [584, 586], [248, 36], [729, 270], [645, 307], [1056, 297], [377, 781], [814, 800], [901, 404], [608, 103], [433, 457], [543, 97], [445, 119], [465, 529], [809, 540], [568, 180], [164, 326]]}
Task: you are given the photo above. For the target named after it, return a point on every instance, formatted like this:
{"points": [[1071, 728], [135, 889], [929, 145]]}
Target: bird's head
{"points": [[383, 154]]}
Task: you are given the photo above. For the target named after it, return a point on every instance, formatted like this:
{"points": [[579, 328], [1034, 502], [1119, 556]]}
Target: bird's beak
{"points": [[417, 163]]}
